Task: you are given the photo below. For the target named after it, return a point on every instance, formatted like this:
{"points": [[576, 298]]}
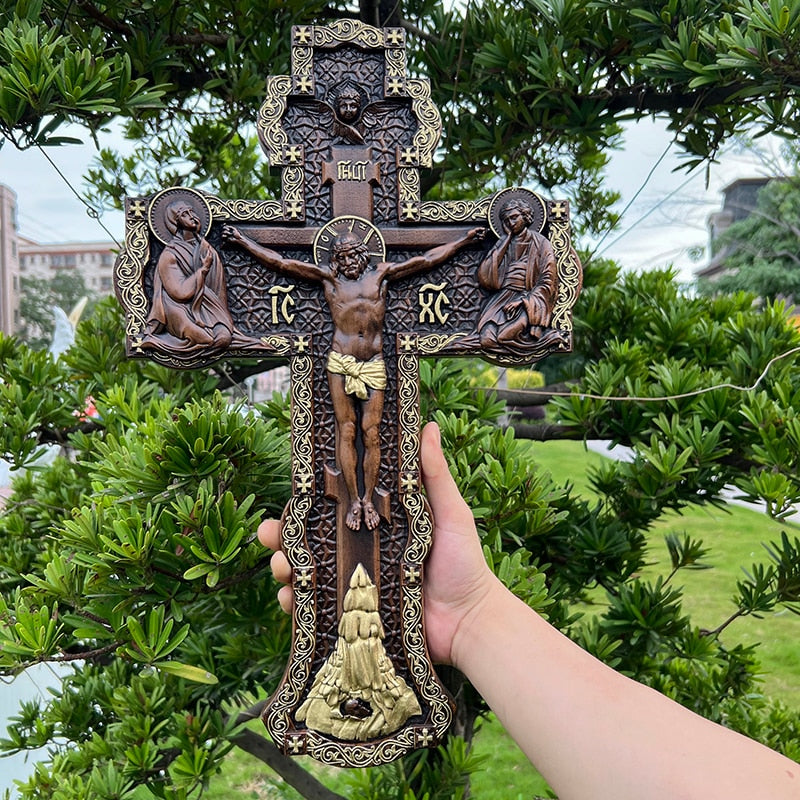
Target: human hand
{"points": [[457, 578], [476, 234], [231, 234], [206, 259], [512, 306]]}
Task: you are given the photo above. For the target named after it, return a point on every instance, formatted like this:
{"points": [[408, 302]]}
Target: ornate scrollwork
{"points": [[281, 345], [455, 210], [395, 62], [271, 134], [245, 210], [293, 185], [569, 275], [436, 342], [295, 546], [302, 61], [128, 276], [418, 542], [430, 121], [342, 31]]}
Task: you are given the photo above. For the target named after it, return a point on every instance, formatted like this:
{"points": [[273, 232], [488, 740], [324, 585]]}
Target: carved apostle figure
{"points": [[356, 295], [190, 299], [520, 270]]}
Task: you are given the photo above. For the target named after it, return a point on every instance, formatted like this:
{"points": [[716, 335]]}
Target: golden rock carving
{"points": [[357, 694]]}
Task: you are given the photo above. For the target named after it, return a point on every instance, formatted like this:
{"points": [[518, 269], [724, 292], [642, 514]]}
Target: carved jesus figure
{"points": [[356, 297]]}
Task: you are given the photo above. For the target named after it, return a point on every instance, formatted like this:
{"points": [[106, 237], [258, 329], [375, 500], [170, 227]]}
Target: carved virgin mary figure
{"points": [[190, 300], [520, 271]]}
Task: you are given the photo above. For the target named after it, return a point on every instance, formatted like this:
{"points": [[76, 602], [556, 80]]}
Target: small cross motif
{"points": [[424, 738], [408, 342], [137, 208], [293, 154], [296, 745], [301, 344], [303, 35], [294, 209], [412, 574], [410, 210], [303, 578], [394, 86], [558, 209], [395, 37], [303, 482], [409, 482], [304, 84], [409, 156]]}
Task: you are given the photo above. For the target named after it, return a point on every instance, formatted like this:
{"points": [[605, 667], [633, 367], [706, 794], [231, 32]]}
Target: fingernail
{"points": [[437, 434]]}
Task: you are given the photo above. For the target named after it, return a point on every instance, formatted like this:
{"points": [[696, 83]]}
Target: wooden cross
{"points": [[351, 277]]}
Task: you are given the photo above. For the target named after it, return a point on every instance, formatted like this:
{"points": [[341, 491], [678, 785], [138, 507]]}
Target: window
{"points": [[63, 261]]}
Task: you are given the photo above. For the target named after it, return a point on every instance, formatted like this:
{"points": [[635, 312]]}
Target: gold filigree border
{"points": [[128, 271], [419, 539], [430, 121], [570, 275], [455, 210], [293, 536]]}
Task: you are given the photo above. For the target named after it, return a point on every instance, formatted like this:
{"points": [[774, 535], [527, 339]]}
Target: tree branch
{"points": [[297, 777], [546, 431]]}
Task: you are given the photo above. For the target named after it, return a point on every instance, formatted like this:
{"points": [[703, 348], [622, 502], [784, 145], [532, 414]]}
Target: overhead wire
{"points": [[664, 398], [90, 210]]}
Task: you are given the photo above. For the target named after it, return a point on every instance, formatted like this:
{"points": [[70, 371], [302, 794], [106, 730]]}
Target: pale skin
{"points": [[592, 732], [356, 297]]}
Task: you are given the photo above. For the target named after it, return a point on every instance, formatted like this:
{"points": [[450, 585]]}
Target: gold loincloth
{"points": [[358, 375]]}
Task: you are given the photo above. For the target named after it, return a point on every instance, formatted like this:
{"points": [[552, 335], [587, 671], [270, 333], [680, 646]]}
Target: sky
{"points": [[665, 211]]}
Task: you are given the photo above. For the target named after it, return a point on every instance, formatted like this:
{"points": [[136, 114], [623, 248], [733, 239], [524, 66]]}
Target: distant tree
{"points": [[761, 253], [37, 298], [532, 91]]}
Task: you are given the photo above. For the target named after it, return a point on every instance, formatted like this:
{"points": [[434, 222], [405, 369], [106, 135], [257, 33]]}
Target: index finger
{"points": [[269, 534]]}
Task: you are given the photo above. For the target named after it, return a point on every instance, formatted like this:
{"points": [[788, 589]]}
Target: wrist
{"points": [[487, 600]]}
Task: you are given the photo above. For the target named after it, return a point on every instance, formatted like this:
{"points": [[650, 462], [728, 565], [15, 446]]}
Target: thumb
{"points": [[447, 504]]}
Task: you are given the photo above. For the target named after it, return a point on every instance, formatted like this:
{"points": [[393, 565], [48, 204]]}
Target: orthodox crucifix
{"points": [[351, 277]]}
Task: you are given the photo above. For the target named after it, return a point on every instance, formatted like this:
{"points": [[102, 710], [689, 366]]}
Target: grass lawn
{"points": [[734, 539]]}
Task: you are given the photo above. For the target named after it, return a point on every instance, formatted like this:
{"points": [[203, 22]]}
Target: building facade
{"points": [[739, 201], [93, 260], [22, 257], [9, 261]]}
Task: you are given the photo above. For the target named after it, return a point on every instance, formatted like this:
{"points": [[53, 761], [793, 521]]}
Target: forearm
{"points": [[587, 728]]}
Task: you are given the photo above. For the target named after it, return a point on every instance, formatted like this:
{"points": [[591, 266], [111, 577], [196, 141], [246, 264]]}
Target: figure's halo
{"points": [[370, 235], [165, 198], [516, 193]]}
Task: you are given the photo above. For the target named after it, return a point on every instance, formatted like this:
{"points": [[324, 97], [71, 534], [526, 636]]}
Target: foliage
{"points": [[533, 91], [133, 554]]}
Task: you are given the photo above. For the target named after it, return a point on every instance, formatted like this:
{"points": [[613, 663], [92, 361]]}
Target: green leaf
{"points": [[187, 672]]}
